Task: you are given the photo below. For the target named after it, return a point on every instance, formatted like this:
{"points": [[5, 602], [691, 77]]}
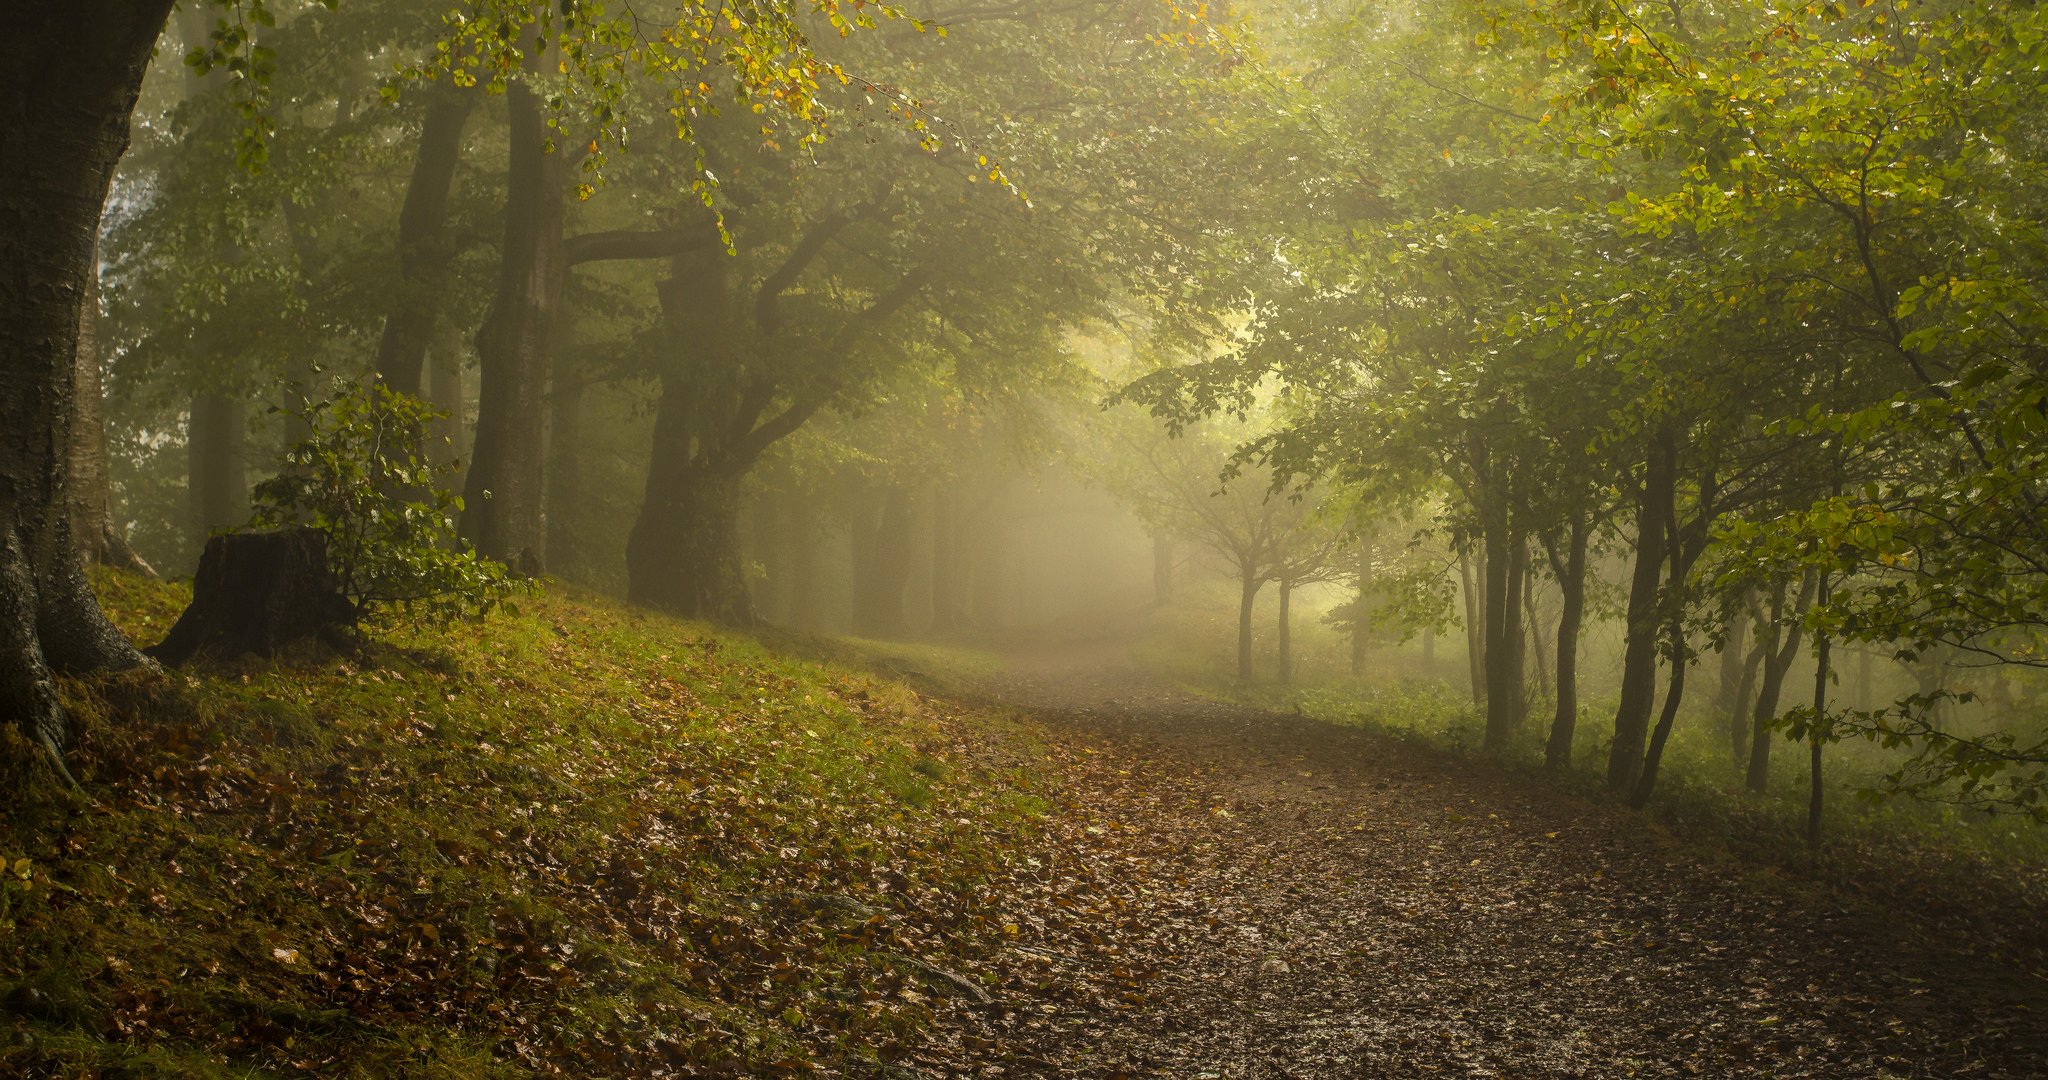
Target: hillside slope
{"points": [[578, 840]]}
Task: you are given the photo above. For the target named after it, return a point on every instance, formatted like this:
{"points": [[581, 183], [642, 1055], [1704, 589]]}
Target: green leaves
{"points": [[363, 476]]}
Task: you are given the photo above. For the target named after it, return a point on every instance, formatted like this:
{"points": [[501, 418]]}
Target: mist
{"points": [[1096, 538]]}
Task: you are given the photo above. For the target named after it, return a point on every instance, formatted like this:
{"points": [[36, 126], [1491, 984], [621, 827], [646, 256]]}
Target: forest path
{"points": [[1295, 899]]}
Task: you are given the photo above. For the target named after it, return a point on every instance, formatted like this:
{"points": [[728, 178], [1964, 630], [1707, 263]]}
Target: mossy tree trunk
{"points": [[69, 77]]}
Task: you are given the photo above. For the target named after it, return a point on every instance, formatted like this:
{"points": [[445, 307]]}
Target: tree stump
{"points": [[257, 593]]}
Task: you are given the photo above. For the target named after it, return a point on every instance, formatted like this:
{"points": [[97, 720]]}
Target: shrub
{"points": [[363, 477]]}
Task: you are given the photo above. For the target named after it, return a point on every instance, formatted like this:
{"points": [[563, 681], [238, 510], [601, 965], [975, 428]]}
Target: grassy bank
{"points": [[580, 840]]}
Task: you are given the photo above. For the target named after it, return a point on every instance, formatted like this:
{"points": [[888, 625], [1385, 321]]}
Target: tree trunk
{"points": [[1475, 626], [445, 390], [257, 593], [1734, 648], [1500, 606], [99, 539], [70, 75], [1785, 644], [502, 512], [424, 249], [1681, 563], [1535, 644], [949, 615], [1571, 581], [886, 572], [800, 607], [566, 511], [1361, 623], [1674, 694], [216, 478], [1639, 657], [1745, 694], [1512, 640], [992, 561], [683, 555], [1286, 638], [1248, 597], [1815, 792]]}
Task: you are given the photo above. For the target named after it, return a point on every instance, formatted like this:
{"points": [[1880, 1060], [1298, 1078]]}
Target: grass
{"points": [[577, 840], [1699, 789]]}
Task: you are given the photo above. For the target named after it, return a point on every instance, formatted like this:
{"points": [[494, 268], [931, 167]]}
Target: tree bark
{"points": [[1248, 597], [1571, 581], [1745, 695], [1654, 503], [1501, 607], [256, 593], [565, 495], [217, 478], [1784, 638], [1815, 791], [502, 508], [1734, 648], [1475, 626], [93, 528], [445, 389], [683, 555], [1675, 645], [69, 77], [424, 249], [1361, 623]]}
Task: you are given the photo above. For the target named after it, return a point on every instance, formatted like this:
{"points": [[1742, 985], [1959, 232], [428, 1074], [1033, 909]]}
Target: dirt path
{"points": [[1258, 896]]}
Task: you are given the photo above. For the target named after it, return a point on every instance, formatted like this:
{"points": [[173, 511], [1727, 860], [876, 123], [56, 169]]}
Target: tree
{"points": [[70, 81]]}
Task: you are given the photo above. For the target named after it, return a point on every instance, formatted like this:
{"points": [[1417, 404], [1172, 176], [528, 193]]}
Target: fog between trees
{"points": [[1652, 391]]}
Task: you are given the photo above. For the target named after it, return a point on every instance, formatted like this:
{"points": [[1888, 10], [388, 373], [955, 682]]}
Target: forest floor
{"points": [[1289, 898]]}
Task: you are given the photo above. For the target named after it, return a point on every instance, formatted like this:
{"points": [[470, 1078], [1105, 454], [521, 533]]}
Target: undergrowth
{"points": [[580, 840]]}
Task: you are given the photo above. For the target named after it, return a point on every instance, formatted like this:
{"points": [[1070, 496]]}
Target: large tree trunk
{"points": [[565, 496], [684, 554], [502, 509], [69, 76], [424, 250], [99, 539], [1247, 598], [1639, 657], [445, 389], [1571, 581]]}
